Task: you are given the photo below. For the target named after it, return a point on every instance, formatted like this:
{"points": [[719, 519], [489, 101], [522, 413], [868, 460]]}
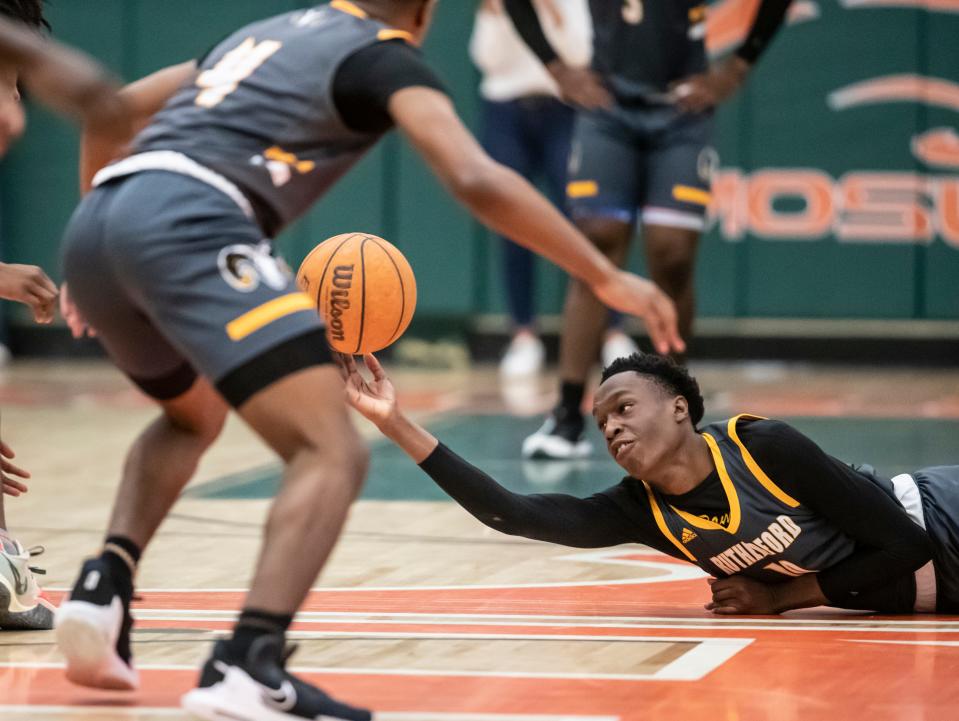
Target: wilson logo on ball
{"points": [[339, 300]]}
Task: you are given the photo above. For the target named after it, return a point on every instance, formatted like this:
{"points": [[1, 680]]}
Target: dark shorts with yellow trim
{"points": [[177, 281], [650, 163], [939, 490]]}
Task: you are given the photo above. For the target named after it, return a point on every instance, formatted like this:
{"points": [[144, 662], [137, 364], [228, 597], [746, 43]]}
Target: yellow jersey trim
{"points": [[349, 8], [582, 189], [688, 194], [251, 321], [754, 468], [735, 515], [661, 522], [697, 14], [394, 35]]}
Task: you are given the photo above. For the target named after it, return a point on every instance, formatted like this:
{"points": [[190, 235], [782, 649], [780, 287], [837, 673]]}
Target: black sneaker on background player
{"points": [[93, 630], [561, 437], [259, 688]]}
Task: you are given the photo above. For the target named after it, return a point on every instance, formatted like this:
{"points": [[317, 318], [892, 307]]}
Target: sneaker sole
{"points": [[86, 636], [35, 618], [236, 698]]}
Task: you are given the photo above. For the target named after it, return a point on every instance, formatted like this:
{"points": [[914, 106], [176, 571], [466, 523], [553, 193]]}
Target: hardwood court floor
{"points": [[425, 615]]}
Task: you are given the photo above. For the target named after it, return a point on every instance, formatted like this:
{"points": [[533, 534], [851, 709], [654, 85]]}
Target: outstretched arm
{"points": [[508, 204], [62, 78], [593, 522]]}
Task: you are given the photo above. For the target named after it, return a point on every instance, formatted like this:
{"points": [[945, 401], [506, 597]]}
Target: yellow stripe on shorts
{"points": [[688, 194], [251, 321], [582, 189], [394, 34]]}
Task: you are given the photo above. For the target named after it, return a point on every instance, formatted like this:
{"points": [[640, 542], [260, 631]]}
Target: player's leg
{"points": [[671, 258], [680, 167], [601, 192], [93, 624], [505, 141]]}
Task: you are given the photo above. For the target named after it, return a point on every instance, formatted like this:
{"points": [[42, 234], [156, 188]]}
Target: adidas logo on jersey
{"points": [[688, 536]]}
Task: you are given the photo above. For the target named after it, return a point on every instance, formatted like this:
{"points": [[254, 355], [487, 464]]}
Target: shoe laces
{"points": [[33, 552]]}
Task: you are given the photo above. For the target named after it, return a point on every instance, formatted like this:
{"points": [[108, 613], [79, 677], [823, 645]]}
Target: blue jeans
{"points": [[532, 136]]}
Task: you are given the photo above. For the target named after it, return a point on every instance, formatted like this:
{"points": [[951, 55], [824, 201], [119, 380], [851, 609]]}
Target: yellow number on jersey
{"points": [[235, 67], [633, 11]]}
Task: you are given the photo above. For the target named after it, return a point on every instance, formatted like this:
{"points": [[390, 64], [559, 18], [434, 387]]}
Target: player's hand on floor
{"points": [[580, 87], [628, 293], [703, 91], [71, 314], [737, 595], [11, 486], [29, 285], [375, 399]]}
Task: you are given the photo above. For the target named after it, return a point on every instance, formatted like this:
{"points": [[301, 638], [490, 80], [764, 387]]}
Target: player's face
{"points": [[12, 119], [639, 421]]}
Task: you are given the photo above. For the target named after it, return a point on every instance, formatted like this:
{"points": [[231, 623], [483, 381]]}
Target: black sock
{"points": [[571, 399], [121, 556], [252, 625]]}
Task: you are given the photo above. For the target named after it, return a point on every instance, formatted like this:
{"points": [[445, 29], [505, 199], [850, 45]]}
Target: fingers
{"points": [[375, 368], [15, 488], [670, 319], [6, 451], [11, 469]]}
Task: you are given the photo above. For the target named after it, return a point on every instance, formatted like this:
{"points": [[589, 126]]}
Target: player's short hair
{"points": [[673, 378], [29, 12]]}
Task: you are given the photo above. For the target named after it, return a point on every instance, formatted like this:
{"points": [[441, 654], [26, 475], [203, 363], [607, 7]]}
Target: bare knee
{"points": [[611, 237], [201, 412], [671, 253], [341, 458]]}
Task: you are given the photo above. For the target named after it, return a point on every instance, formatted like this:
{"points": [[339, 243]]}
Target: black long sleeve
{"points": [[769, 18], [530, 29], [593, 522], [889, 545]]}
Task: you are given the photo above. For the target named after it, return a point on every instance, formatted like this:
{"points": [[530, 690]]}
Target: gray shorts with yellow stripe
{"points": [[177, 281], [651, 163]]}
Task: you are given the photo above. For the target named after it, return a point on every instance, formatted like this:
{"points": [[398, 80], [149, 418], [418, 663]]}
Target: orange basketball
{"points": [[363, 288]]}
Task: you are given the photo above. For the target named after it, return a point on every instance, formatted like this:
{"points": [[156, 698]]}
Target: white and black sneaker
{"points": [[23, 606], [560, 438], [93, 631], [259, 688]]}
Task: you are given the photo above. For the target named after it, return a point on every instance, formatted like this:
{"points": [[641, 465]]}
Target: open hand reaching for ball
{"points": [[375, 399]]}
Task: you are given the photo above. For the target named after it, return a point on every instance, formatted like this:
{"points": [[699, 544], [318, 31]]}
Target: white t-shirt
{"points": [[510, 69]]}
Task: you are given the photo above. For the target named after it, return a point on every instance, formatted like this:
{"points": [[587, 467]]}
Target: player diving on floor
{"points": [[777, 522]]}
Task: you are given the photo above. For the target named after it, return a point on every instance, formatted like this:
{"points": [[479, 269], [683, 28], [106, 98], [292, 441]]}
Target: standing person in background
{"points": [[529, 129], [641, 153]]}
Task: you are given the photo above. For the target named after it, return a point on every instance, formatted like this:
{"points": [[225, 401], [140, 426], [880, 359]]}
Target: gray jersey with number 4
{"points": [[261, 111]]}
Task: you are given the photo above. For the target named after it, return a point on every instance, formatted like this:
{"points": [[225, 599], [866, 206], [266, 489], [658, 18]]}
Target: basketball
{"points": [[363, 287]]}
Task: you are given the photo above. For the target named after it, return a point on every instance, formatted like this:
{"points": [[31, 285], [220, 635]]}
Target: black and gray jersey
{"points": [[641, 46], [261, 110]]}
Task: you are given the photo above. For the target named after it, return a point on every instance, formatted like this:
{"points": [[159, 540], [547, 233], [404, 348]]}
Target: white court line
{"points": [[697, 662], [548, 621], [383, 716], [904, 643]]}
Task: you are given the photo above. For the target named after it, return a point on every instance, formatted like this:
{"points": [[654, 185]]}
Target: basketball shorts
{"points": [[939, 491], [652, 164], [178, 281]]}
